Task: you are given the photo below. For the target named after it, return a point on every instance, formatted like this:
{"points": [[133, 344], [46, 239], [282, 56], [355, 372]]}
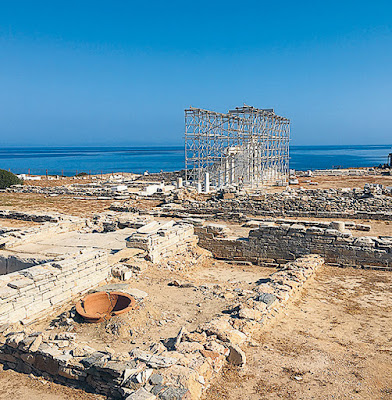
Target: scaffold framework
{"points": [[246, 147]]}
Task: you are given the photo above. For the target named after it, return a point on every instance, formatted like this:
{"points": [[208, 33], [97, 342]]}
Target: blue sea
{"points": [[72, 160]]}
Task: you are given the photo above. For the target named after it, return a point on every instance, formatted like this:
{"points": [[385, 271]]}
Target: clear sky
{"points": [[122, 72]]}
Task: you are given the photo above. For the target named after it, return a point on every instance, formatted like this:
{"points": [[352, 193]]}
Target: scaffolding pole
{"points": [[247, 147]]}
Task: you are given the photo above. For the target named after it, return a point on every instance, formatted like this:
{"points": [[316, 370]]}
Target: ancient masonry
{"points": [[309, 203], [27, 294], [180, 373], [32, 286], [163, 239], [247, 147], [277, 244]]}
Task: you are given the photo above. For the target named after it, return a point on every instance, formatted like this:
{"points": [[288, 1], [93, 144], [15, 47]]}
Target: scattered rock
{"points": [[236, 356], [141, 394]]}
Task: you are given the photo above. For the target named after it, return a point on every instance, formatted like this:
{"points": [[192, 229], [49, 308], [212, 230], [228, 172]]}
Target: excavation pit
{"points": [[101, 306]]}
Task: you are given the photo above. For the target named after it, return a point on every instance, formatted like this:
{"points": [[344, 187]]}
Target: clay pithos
{"points": [[101, 306]]}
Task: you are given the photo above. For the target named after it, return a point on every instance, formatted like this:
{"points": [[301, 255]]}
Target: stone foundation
{"points": [[29, 293], [288, 242], [163, 239], [181, 371], [13, 263], [14, 238]]}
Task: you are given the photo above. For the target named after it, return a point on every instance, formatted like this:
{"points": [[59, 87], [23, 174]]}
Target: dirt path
{"points": [[333, 343]]}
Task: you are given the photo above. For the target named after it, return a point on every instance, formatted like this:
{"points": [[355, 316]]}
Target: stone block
{"points": [[141, 394], [236, 356]]}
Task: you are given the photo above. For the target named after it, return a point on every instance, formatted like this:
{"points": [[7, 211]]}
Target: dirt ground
{"points": [[327, 182], [332, 343], [63, 204], [18, 386], [15, 223], [210, 286]]}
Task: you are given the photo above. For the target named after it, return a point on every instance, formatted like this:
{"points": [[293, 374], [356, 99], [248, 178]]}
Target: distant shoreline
{"points": [[138, 159]]}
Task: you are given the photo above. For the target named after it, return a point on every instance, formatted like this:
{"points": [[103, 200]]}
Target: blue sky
{"points": [[122, 72]]}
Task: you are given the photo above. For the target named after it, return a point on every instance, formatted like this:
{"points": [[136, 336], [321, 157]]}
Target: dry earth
{"points": [[212, 288], [17, 386], [335, 182], [333, 343], [327, 182], [62, 204]]}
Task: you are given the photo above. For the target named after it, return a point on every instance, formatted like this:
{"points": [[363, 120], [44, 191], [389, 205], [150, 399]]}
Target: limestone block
{"points": [[20, 283], [250, 313], [224, 331], [7, 292], [365, 241]]}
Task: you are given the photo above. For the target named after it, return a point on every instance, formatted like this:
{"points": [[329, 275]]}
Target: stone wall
{"points": [[182, 371], [163, 239], [27, 294], [11, 239], [288, 242], [26, 216], [12, 263], [309, 203]]}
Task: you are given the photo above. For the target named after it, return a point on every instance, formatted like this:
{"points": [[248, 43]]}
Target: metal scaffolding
{"points": [[247, 147]]}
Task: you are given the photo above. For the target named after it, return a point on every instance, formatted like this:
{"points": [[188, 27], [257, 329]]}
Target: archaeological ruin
{"points": [[202, 272], [247, 146]]}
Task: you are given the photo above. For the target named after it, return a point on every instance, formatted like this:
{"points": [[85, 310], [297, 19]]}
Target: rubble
{"points": [[166, 237], [182, 372], [303, 203]]}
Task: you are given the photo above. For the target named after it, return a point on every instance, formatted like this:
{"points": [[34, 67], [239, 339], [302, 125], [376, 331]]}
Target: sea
{"points": [[95, 160]]}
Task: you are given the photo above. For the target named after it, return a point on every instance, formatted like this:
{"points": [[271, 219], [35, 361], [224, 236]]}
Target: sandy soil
{"points": [[37, 202], [64, 204], [16, 223], [17, 386], [168, 308], [333, 343], [327, 182]]}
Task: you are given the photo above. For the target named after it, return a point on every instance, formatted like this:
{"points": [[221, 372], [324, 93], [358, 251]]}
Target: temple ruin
{"points": [[247, 147]]}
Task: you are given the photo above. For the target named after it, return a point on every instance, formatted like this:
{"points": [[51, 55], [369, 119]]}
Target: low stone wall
{"points": [[340, 172], [163, 239], [13, 263], [26, 216], [11, 239], [350, 225], [303, 203], [288, 242], [27, 294], [182, 372]]}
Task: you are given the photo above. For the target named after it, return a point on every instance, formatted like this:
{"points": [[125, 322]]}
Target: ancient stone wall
{"points": [[288, 242], [317, 203], [26, 294], [12, 263], [163, 239], [11, 239], [182, 371], [35, 217]]}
